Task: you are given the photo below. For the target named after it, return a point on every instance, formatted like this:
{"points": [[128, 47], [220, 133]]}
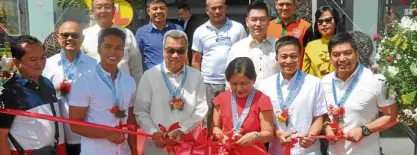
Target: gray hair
{"points": [[175, 34], [207, 2]]}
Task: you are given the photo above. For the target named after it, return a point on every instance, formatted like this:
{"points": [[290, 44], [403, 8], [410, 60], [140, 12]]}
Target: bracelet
{"points": [[255, 136]]}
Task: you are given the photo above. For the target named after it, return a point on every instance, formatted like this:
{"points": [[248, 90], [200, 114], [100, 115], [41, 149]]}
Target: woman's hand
{"points": [[248, 139], [285, 138]]}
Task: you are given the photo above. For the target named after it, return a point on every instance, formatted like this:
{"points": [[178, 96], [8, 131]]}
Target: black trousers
{"points": [[73, 149]]}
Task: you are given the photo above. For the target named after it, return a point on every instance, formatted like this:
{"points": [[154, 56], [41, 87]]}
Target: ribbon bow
{"points": [[130, 127], [289, 147], [232, 148], [173, 127]]}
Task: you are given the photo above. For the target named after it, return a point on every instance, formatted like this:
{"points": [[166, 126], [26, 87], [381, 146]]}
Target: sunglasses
{"points": [[328, 20], [67, 35], [172, 51]]}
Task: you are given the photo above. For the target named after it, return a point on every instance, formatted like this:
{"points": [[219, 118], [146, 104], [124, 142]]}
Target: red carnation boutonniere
{"points": [[114, 109], [64, 87], [176, 103]]}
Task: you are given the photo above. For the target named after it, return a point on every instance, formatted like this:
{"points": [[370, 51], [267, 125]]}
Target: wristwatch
{"points": [[365, 131]]}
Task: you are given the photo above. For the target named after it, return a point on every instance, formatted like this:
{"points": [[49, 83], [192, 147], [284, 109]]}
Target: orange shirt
{"points": [[298, 28]]}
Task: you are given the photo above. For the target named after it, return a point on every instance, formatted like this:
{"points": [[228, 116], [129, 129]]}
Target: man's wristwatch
{"points": [[365, 131]]}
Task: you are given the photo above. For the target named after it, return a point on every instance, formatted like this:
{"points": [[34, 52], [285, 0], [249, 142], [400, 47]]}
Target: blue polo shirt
{"points": [[150, 42]]}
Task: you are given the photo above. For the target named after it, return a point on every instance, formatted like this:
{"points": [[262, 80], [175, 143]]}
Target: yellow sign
{"points": [[123, 14]]}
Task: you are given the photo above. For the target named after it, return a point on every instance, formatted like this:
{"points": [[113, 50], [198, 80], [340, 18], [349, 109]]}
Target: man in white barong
{"points": [[104, 96], [257, 46], [67, 66], [361, 95], [298, 102], [170, 92]]}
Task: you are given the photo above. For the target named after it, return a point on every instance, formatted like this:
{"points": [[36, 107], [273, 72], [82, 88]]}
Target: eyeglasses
{"points": [[73, 35], [106, 7], [172, 51], [328, 20]]}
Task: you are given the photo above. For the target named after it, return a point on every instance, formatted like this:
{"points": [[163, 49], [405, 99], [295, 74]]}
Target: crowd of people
{"points": [[285, 80]]}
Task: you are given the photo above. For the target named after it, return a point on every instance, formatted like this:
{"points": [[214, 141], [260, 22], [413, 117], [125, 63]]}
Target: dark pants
{"points": [[73, 149], [212, 90], [324, 145]]}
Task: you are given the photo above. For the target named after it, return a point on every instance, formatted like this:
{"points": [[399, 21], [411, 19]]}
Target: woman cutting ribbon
{"points": [[242, 110], [298, 102]]}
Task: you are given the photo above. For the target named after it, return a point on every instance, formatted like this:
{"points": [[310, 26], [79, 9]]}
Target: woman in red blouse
{"points": [[243, 111]]}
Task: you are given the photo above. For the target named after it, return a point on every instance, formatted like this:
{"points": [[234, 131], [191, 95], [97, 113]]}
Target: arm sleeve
{"points": [[242, 32], [265, 103], [308, 36], [200, 109], [79, 95], [139, 41], [382, 99], [143, 105], [135, 59], [307, 61], [319, 107], [7, 99], [197, 45]]}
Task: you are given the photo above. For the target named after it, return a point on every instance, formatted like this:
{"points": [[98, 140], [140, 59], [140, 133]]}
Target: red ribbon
{"points": [[69, 121], [200, 142], [295, 141], [289, 147], [175, 126]]}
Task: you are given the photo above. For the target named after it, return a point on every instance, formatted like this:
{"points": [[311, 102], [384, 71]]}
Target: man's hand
{"points": [[115, 137], [354, 135], [306, 141], [159, 143], [248, 139], [331, 132], [177, 135], [285, 138]]}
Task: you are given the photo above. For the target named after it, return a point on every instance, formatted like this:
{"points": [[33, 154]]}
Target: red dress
{"points": [[260, 102]]}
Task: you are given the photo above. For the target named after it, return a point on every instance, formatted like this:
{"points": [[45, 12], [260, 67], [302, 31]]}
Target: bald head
{"points": [[69, 36]]}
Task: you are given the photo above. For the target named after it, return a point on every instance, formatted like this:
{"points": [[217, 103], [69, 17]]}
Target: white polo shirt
{"points": [[261, 53], [54, 71], [92, 92], [308, 103], [361, 107], [131, 63], [152, 106], [214, 45]]}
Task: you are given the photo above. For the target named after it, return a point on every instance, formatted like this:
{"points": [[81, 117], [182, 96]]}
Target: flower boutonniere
{"points": [[176, 103], [118, 112], [64, 87]]}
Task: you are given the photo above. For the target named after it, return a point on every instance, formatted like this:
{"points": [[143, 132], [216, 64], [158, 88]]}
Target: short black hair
{"points": [[338, 23], [258, 5], [342, 38], [149, 2], [241, 65], [111, 32], [184, 6], [16, 45], [287, 40]]}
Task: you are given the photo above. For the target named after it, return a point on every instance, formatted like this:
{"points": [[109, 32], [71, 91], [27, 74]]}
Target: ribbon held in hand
{"points": [[130, 127], [289, 147], [166, 131]]}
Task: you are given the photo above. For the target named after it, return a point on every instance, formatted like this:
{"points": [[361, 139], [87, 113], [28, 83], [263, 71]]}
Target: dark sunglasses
{"points": [[172, 51], [328, 20], [73, 35]]}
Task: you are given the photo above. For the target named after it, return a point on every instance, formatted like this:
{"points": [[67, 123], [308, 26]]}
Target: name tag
{"points": [[224, 39]]}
